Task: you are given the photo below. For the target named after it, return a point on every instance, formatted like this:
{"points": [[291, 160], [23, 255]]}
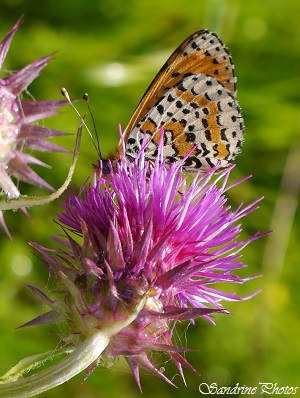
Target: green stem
{"points": [[83, 356], [78, 360]]}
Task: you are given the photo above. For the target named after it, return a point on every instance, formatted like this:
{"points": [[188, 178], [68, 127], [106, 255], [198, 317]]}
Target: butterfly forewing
{"points": [[193, 98]]}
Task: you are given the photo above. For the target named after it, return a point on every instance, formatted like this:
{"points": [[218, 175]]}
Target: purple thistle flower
{"points": [[16, 131], [146, 234]]}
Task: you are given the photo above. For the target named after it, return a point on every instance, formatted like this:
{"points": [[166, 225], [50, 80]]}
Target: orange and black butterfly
{"points": [[193, 99]]}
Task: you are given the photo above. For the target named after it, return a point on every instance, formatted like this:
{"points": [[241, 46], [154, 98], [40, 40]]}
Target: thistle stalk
{"points": [[84, 355]]}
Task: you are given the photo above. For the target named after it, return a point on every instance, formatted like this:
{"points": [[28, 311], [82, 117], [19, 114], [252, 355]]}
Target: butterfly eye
{"points": [[106, 169]]}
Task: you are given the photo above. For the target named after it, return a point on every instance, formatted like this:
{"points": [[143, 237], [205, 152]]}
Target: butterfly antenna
{"points": [[86, 100], [67, 97]]}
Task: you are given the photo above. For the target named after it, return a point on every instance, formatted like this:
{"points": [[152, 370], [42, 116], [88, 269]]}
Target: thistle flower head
{"points": [[16, 131], [145, 232]]}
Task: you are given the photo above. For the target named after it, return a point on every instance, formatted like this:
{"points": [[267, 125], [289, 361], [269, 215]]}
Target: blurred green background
{"points": [[112, 49]]}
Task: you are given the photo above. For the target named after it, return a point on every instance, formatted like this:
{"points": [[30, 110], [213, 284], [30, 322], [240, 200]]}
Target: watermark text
{"points": [[261, 389]]}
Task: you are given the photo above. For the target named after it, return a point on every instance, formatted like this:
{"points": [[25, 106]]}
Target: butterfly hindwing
{"points": [[196, 111], [193, 98]]}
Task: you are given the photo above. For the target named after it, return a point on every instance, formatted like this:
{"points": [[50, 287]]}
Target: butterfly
{"points": [[193, 99]]}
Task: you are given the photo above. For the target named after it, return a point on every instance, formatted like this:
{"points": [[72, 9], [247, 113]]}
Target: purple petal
{"points": [[24, 173], [44, 146], [48, 317], [36, 110], [20, 80], [4, 45], [28, 131]]}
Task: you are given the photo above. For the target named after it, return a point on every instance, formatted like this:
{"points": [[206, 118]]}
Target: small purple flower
{"points": [[146, 234], [16, 131]]}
